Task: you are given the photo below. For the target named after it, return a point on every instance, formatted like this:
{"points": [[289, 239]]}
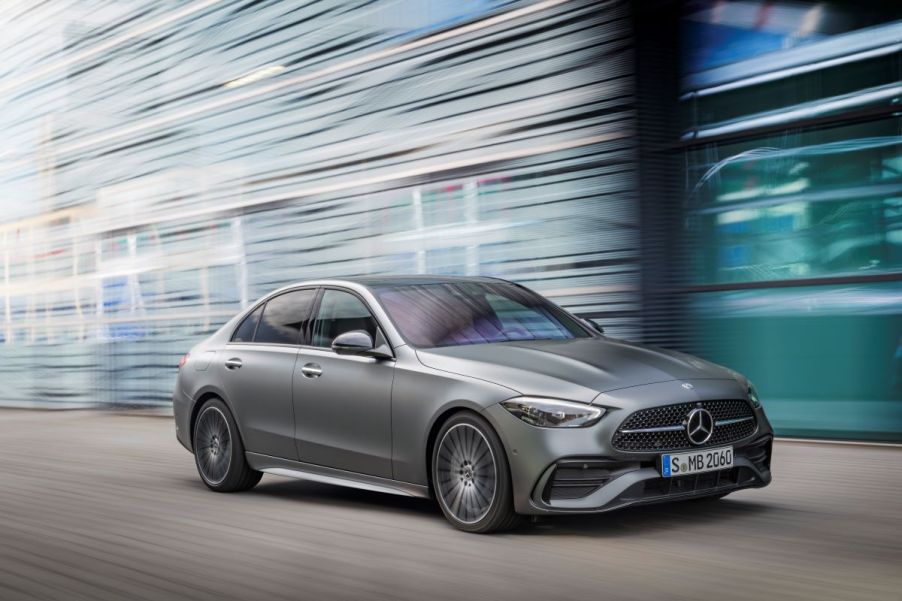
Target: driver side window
{"points": [[341, 312]]}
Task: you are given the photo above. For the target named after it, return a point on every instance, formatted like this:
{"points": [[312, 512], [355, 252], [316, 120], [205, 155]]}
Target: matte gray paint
{"points": [[576, 369], [257, 392], [343, 416], [421, 395], [370, 418], [530, 454]]}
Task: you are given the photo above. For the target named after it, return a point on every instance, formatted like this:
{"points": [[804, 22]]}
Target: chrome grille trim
{"points": [[727, 422], [663, 427]]}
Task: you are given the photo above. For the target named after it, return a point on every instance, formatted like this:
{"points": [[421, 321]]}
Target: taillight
{"points": [[183, 360]]}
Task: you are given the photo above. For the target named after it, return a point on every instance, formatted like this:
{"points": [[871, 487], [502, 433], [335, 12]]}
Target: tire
{"points": [[219, 452], [471, 477]]}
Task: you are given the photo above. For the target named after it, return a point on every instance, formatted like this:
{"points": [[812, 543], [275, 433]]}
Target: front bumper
{"points": [[181, 408], [577, 470]]}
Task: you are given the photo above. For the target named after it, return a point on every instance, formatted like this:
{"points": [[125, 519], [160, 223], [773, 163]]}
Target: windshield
{"points": [[456, 313]]}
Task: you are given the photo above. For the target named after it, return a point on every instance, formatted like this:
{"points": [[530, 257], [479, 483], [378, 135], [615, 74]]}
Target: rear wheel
{"points": [[218, 451], [471, 477]]}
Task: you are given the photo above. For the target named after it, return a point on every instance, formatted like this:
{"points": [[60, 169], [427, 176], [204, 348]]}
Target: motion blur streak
{"points": [[794, 172], [720, 177], [167, 182], [138, 524]]}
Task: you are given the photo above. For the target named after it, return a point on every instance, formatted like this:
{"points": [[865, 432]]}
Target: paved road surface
{"points": [[97, 506]]}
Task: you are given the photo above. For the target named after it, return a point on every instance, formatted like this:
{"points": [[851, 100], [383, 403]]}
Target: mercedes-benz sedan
{"points": [[475, 391]]}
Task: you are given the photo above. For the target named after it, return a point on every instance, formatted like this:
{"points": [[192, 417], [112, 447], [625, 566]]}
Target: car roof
{"points": [[376, 281], [409, 280]]}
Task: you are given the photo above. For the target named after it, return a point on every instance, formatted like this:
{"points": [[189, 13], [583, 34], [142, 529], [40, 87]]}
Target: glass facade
{"points": [[165, 164], [794, 228], [799, 205]]}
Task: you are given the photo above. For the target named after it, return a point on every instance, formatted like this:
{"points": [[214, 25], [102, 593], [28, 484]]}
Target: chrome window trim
{"points": [[359, 297], [261, 303]]}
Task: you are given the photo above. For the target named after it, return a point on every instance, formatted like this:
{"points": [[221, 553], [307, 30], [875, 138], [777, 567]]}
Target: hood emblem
{"points": [[699, 426], [687, 386]]}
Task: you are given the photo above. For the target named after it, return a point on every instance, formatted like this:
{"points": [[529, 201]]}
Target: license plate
{"points": [[696, 462]]}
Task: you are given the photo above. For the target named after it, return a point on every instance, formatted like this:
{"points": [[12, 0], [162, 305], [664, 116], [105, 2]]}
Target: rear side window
{"points": [[245, 332], [285, 318]]}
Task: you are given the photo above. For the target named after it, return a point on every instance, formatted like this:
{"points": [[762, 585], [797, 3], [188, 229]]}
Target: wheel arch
{"points": [[440, 419], [201, 398]]}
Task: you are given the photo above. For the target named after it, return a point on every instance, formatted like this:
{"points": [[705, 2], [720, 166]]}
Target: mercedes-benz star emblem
{"points": [[699, 426]]}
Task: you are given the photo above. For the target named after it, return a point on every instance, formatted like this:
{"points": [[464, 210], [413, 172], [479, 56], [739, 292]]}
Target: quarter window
{"points": [[245, 332], [285, 318], [341, 312]]}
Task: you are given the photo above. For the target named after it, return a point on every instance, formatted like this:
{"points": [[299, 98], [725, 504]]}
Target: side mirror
{"points": [[592, 325], [358, 342]]}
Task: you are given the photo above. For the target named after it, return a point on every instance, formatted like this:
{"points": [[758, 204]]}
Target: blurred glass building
{"points": [[164, 164], [793, 171], [721, 177]]}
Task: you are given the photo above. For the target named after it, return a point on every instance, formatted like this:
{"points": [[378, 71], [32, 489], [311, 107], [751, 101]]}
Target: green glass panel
{"points": [[806, 87], [812, 205], [827, 360]]}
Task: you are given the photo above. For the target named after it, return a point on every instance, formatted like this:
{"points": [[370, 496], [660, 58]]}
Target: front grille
{"points": [[634, 433], [707, 482]]}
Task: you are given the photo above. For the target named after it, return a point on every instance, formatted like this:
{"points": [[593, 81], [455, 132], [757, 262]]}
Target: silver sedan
{"points": [[475, 391]]}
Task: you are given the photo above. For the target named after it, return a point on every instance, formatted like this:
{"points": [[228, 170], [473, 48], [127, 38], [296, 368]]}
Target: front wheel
{"points": [[218, 451], [471, 477]]}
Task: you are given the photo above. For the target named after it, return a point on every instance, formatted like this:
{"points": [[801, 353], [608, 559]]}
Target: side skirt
{"points": [[327, 475]]}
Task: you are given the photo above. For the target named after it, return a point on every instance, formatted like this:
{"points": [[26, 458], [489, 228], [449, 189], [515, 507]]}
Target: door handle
{"points": [[312, 370], [233, 363]]}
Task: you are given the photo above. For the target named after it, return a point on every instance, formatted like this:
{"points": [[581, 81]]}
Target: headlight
{"points": [[552, 413], [753, 397]]}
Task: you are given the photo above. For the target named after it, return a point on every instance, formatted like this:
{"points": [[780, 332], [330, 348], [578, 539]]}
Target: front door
{"points": [[342, 403]]}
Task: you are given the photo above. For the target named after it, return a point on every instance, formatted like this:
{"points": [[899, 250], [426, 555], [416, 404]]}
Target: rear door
{"points": [[257, 367], [342, 403]]}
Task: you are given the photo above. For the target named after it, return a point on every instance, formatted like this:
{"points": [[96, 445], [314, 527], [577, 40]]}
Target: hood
{"points": [[576, 369]]}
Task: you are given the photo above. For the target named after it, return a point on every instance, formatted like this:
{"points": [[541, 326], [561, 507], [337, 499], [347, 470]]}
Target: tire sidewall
{"points": [[236, 453]]}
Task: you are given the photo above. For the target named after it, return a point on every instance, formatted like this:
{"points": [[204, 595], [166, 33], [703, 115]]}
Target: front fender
{"points": [[422, 398]]}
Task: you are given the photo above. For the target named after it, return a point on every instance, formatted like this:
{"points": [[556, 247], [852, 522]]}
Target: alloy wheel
{"points": [[466, 473], [213, 445]]}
